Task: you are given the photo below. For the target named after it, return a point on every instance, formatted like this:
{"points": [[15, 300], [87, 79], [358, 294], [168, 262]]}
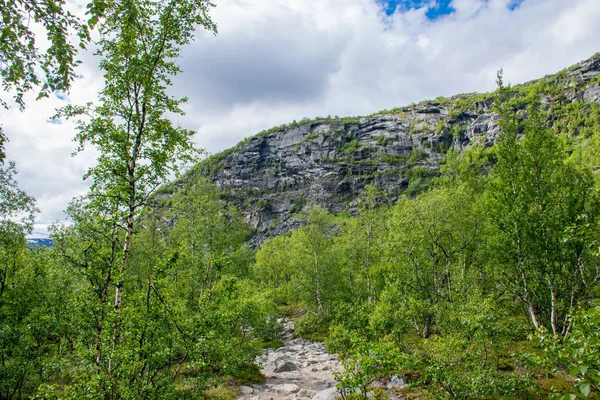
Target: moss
{"points": [[310, 137], [248, 374], [299, 202], [272, 344], [555, 383], [439, 128], [263, 205], [350, 147], [221, 393], [382, 140]]}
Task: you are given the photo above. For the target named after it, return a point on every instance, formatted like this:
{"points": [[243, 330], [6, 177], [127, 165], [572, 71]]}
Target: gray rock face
{"points": [[275, 176], [592, 93], [328, 162]]}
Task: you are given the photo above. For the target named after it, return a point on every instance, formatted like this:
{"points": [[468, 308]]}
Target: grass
{"points": [[221, 393], [248, 374]]}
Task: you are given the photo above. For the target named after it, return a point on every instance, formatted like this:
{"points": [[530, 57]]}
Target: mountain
{"points": [[277, 173]]}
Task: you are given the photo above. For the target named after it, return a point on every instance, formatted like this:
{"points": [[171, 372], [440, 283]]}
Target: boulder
{"points": [[285, 366], [246, 389], [327, 394], [396, 383], [286, 389]]}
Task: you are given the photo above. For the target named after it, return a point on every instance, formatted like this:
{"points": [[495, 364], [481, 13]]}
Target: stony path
{"points": [[303, 370], [300, 370]]}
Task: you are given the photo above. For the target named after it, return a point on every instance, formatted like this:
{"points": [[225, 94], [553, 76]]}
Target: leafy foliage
{"points": [[579, 354], [20, 56]]}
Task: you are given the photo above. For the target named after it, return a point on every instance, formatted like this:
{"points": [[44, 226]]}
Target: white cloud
{"points": [[279, 60]]}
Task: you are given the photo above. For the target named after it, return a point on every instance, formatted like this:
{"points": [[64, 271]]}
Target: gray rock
{"points": [[286, 388], [396, 383], [592, 93], [246, 389], [285, 366], [327, 394]]}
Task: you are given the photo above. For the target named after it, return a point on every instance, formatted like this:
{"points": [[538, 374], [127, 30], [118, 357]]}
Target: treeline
{"points": [[484, 286]]}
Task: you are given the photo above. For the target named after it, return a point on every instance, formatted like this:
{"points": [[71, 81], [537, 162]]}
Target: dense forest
{"points": [[482, 284]]}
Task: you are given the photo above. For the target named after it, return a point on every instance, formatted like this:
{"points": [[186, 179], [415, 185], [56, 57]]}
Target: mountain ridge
{"points": [[274, 175]]}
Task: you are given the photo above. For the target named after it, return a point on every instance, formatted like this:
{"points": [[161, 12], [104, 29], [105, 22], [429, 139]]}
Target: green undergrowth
{"points": [[312, 326], [221, 392]]}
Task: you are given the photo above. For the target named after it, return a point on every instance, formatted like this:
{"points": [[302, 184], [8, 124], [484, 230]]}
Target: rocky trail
{"points": [[299, 370]]}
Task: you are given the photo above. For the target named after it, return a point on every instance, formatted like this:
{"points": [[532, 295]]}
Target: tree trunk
{"points": [[99, 338], [317, 282], [119, 291], [368, 264], [427, 326], [533, 315], [553, 307], [4, 275]]}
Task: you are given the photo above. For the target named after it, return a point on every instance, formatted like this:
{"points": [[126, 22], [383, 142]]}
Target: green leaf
{"points": [[585, 389]]}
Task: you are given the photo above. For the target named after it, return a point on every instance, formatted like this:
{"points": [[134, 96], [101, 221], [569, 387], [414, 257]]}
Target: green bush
{"points": [[313, 326], [578, 354]]}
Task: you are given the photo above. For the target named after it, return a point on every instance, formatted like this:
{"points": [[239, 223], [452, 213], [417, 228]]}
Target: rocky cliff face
{"points": [[276, 174]]}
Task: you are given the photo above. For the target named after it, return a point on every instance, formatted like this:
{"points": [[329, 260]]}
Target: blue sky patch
{"points": [[439, 9], [514, 4]]}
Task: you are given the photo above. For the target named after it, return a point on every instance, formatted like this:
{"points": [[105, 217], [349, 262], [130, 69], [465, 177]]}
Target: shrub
{"points": [[313, 326]]}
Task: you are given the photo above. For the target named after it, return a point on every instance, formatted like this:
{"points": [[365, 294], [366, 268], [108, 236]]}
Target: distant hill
{"points": [[327, 161], [39, 242]]}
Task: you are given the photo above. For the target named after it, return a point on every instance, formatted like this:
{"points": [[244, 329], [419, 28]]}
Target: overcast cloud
{"points": [[274, 61]]}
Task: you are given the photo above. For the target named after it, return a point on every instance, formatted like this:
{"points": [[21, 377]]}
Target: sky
{"points": [[275, 61]]}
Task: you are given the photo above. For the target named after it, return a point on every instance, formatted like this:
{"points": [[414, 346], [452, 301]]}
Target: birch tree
{"points": [[139, 146], [539, 201]]}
